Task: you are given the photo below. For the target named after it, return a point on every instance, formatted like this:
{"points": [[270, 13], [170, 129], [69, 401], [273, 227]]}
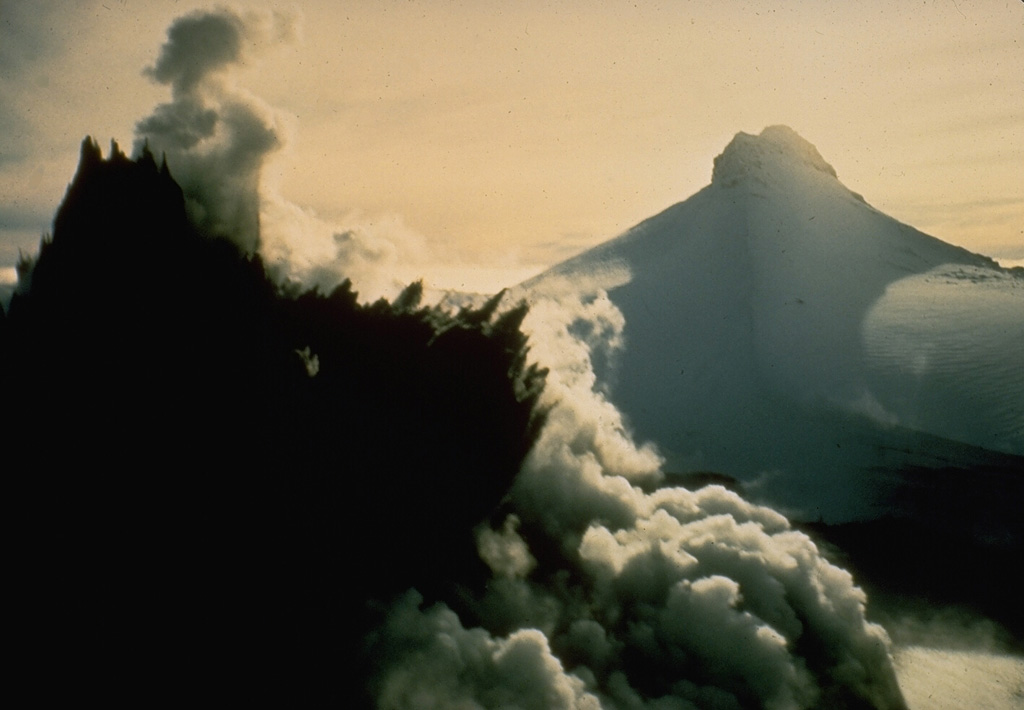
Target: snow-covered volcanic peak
{"points": [[762, 156], [760, 329]]}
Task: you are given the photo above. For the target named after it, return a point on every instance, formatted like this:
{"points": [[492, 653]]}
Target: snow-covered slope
{"points": [[933, 679], [781, 330]]}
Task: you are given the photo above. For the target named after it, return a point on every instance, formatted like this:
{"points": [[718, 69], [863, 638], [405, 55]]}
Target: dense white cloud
{"points": [[504, 551], [443, 665], [379, 255], [659, 597]]}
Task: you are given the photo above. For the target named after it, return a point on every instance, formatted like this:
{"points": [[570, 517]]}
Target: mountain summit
{"points": [[781, 330], [758, 156]]}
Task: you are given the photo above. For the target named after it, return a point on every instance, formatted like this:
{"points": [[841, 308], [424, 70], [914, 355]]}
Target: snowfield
{"points": [[934, 679], [967, 382]]}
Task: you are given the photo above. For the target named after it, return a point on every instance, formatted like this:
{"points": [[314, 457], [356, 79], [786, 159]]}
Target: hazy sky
{"points": [[518, 134]]}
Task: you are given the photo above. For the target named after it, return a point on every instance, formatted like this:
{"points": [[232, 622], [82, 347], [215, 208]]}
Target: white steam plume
{"points": [[218, 138], [667, 599], [380, 256], [216, 135]]}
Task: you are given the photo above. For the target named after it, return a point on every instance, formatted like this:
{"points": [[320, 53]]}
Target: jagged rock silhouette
{"points": [[217, 477]]}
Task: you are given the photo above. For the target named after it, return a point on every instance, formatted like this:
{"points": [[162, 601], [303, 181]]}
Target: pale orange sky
{"points": [[515, 135]]}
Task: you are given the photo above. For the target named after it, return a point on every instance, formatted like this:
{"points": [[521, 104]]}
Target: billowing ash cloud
{"points": [[217, 138], [612, 592]]}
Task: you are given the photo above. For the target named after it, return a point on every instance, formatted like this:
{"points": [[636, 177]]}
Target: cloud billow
{"points": [[623, 593], [216, 135], [217, 138], [198, 45]]}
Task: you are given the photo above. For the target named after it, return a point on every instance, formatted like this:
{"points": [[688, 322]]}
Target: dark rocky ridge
{"points": [[216, 479]]}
